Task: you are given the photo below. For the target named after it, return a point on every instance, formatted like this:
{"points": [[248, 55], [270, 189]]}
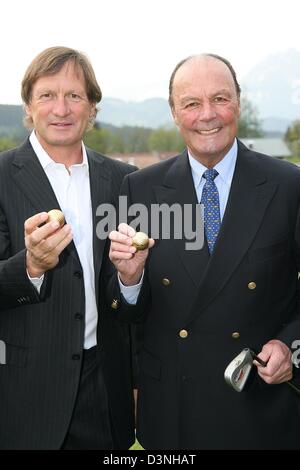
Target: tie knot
{"points": [[210, 174]]}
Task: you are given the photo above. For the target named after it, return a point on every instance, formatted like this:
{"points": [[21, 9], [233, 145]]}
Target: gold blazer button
{"points": [[252, 285], [183, 334], [236, 335], [166, 281]]}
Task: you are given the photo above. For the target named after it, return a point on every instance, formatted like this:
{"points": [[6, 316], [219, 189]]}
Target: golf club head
{"points": [[238, 370]]}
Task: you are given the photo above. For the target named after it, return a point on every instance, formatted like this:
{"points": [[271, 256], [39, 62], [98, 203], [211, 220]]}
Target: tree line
{"points": [[129, 139], [292, 137]]}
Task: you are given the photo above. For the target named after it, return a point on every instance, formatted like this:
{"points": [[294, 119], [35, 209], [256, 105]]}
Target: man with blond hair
{"points": [[66, 381]]}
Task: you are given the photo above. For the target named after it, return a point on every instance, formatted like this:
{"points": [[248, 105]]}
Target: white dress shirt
{"points": [[72, 190], [223, 181]]}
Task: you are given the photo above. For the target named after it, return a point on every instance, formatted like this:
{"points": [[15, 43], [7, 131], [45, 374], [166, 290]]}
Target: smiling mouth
{"points": [[61, 124], [209, 132]]}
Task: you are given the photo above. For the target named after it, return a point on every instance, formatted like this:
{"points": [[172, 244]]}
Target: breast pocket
{"points": [[12, 355]]}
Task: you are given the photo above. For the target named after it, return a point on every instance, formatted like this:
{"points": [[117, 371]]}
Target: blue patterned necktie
{"points": [[210, 200]]}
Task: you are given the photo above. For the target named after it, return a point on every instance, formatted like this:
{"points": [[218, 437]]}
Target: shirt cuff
{"points": [[131, 293], [36, 281]]}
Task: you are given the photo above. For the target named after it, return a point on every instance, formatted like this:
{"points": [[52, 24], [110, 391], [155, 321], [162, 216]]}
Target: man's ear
{"points": [[27, 110], [93, 111], [174, 114], [239, 108]]}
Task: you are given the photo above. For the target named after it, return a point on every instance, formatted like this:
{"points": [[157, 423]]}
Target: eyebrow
{"points": [[223, 91], [189, 98], [41, 90], [78, 91]]}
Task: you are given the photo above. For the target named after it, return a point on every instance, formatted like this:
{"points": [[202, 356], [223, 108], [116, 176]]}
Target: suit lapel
{"points": [[178, 188], [249, 197], [100, 181], [33, 182]]}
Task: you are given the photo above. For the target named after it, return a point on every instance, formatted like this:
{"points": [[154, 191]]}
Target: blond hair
{"points": [[49, 62]]}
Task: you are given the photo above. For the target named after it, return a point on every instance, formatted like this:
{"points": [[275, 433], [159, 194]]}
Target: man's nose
{"points": [[207, 112], [61, 106]]}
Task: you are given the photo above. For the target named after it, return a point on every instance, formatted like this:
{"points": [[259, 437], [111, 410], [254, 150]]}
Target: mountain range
{"points": [[153, 112], [273, 86]]}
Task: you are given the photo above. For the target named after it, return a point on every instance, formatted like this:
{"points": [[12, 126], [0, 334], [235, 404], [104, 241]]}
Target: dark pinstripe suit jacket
{"points": [[44, 333]]}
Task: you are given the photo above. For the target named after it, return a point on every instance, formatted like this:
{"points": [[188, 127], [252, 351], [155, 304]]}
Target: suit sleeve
{"points": [[116, 301], [15, 288], [291, 330]]}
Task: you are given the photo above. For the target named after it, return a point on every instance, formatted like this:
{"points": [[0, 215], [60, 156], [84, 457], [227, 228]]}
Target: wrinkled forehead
{"points": [[69, 72], [203, 74], [69, 68]]}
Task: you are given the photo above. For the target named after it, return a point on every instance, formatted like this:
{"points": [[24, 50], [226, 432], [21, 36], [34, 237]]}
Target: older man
{"points": [[202, 307]]}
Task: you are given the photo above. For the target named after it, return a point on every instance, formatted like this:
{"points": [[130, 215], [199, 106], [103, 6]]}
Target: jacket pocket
{"points": [[12, 355]]}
